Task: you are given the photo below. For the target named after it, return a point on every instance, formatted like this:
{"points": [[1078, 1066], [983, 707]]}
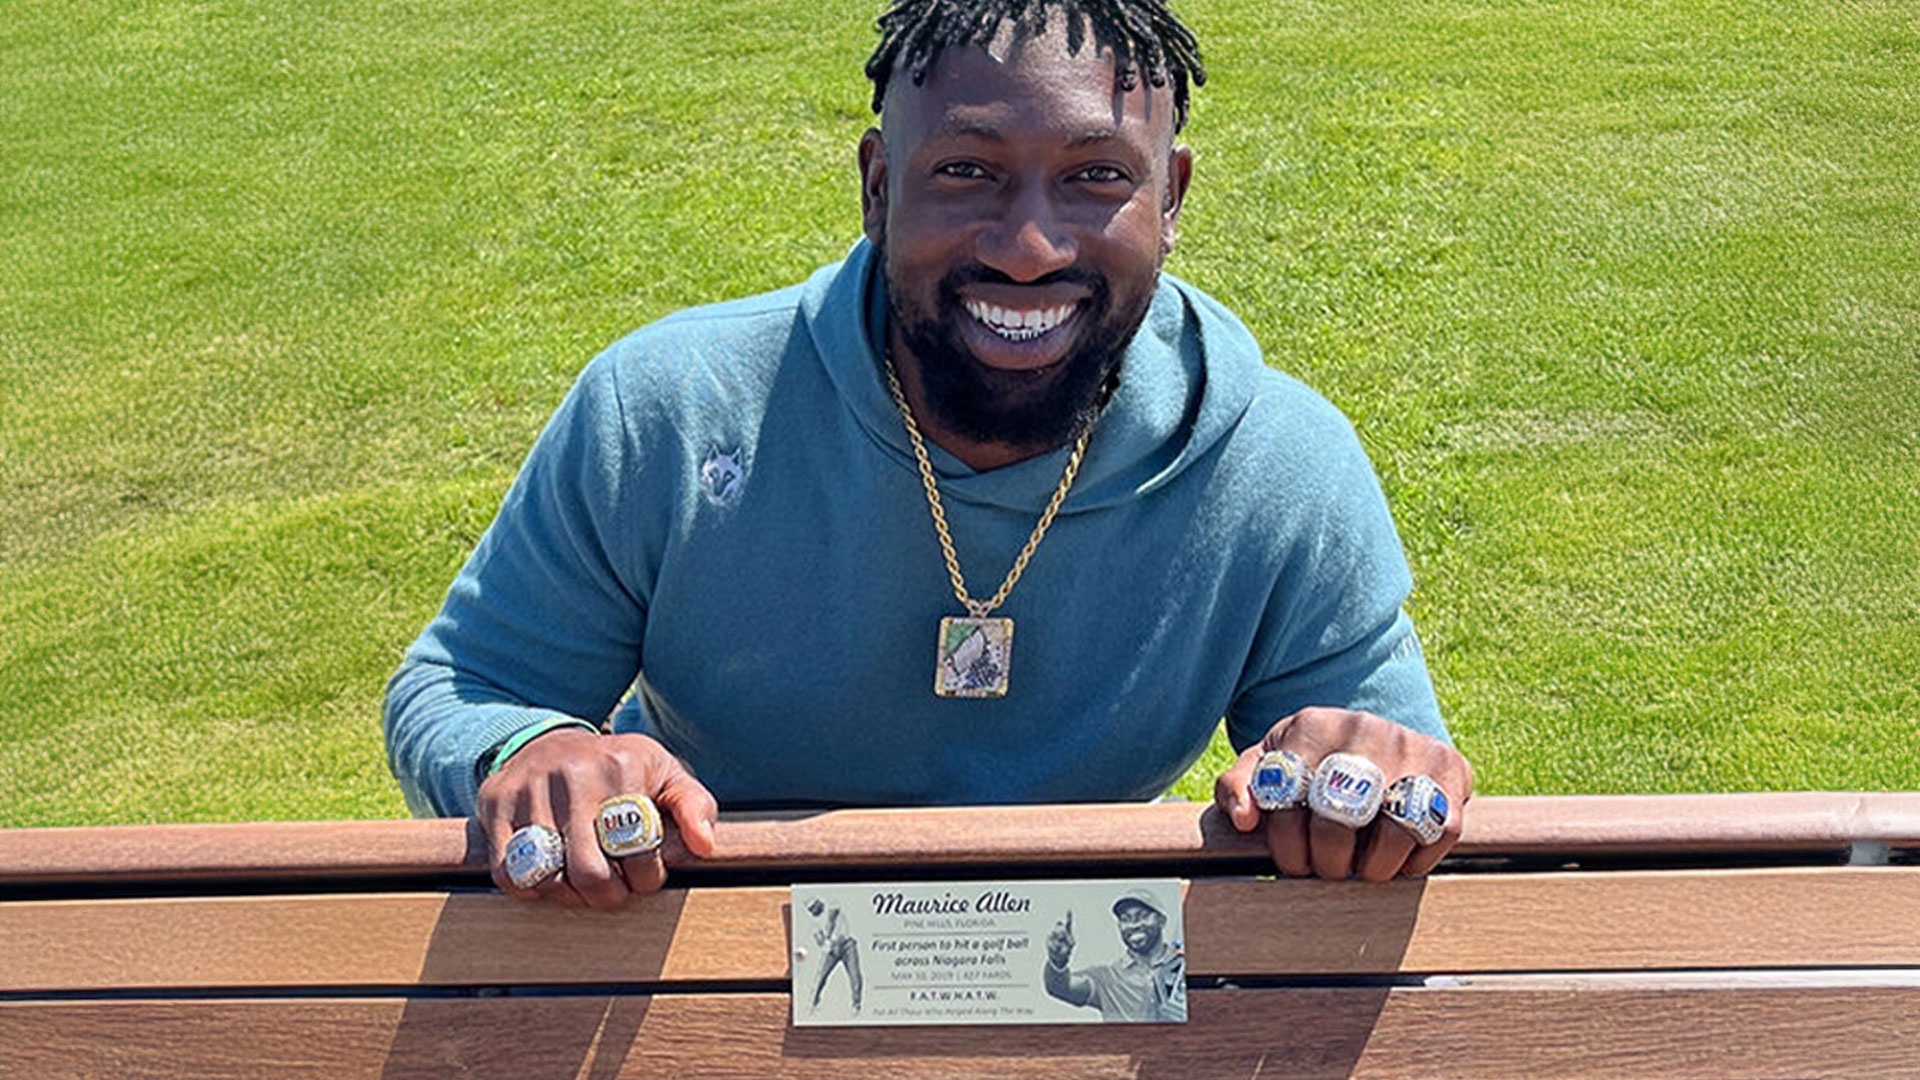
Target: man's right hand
{"points": [[1060, 941], [559, 780]]}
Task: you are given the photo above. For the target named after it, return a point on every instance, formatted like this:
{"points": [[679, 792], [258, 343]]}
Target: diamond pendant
{"points": [[974, 655]]}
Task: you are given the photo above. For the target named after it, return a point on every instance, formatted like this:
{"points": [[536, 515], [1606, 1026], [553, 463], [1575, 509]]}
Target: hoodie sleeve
{"points": [[545, 621], [1334, 631]]}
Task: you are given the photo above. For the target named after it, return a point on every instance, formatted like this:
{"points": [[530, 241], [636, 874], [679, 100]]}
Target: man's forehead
{"points": [[983, 90]]}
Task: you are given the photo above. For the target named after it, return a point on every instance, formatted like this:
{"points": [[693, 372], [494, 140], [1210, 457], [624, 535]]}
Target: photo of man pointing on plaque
{"points": [[1148, 984]]}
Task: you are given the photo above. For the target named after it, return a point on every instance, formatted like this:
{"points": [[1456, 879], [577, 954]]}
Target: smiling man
{"points": [[1148, 984], [1023, 209], [773, 552]]}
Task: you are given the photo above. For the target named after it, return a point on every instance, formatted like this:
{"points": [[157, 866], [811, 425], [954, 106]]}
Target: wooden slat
{"points": [[1860, 1032], [1577, 826], [280, 849], [1560, 922], [1569, 827], [392, 939], [1461, 923]]}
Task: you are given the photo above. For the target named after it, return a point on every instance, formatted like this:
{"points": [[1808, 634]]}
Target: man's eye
{"points": [[961, 170], [1102, 174]]}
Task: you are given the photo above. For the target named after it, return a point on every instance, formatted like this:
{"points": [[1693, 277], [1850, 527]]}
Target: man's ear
{"points": [[873, 185], [1179, 175]]}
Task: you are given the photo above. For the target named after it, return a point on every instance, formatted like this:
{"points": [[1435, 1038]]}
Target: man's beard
{"points": [[1026, 409]]}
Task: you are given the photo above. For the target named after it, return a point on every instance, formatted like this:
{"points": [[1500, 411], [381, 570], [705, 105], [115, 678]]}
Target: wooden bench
{"points": [[1749, 936]]}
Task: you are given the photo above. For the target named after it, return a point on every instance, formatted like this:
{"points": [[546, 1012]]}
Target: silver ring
{"points": [[1417, 803], [1347, 789], [535, 856], [1280, 780], [628, 825]]}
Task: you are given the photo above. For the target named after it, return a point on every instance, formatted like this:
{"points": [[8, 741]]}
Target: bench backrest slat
{"points": [[1628, 920], [1675, 937], [1336, 1033], [1568, 827]]}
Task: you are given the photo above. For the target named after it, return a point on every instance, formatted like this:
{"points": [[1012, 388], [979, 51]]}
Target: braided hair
{"points": [[1143, 35]]}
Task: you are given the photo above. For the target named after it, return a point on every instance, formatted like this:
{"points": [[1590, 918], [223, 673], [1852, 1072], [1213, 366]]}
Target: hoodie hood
{"points": [[1185, 381]]}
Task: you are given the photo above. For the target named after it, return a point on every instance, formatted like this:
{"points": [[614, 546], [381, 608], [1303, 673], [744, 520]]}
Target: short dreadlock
{"points": [[1142, 34]]}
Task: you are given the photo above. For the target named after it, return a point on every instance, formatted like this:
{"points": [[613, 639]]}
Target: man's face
{"points": [[1023, 203], [1140, 927]]}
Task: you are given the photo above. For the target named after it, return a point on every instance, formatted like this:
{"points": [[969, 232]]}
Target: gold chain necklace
{"points": [[974, 653]]}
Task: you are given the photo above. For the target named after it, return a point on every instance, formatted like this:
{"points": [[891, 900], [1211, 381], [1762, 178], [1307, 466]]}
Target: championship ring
{"points": [[1419, 804], [628, 825], [535, 856], [1347, 789], [1280, 780]]}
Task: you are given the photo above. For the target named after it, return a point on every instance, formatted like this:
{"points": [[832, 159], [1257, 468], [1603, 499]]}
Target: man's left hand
{"points": [[1303, 842]]}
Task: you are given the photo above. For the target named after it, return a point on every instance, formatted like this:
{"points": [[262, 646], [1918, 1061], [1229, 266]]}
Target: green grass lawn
{"points": [[1624, 300]]}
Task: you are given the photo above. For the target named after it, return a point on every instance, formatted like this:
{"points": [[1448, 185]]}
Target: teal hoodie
{"points": [[721, 539]]}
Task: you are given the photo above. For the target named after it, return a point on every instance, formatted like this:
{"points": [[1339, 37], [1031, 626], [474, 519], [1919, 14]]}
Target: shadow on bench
{"points": [[1687, 936]]}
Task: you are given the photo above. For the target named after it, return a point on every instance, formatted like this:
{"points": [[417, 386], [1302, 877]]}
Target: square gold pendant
{"points": [[974, 657]]}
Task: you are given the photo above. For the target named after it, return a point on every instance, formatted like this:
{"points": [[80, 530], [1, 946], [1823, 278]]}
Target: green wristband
{"points": [[531, 732]]}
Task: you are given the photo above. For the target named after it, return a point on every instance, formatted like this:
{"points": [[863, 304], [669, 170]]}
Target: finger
{"points": [[1457, 783], [496, 816], [523, 809], [591, 873], [533, 808], [1330, 846], [692, 806], [1069, 922], [1422, 861], [558, 888], [1287, 842], [1387, 846], [1231, 794], [1276, 737], [645, 873]]}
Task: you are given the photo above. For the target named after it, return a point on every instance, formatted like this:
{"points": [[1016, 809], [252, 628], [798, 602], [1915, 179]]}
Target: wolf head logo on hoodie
{"points": [[723, 475]]}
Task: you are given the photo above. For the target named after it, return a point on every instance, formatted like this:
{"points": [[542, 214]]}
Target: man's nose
{"points": [[1029, 241]]}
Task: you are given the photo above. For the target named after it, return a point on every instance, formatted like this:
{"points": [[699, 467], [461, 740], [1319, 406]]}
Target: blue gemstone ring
{"points": [[1417, 803], [535, 855], [1347, 789], [1280, 780]]}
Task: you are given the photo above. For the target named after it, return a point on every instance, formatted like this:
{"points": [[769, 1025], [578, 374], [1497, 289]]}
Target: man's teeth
{"points": [[1018, 325]]}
